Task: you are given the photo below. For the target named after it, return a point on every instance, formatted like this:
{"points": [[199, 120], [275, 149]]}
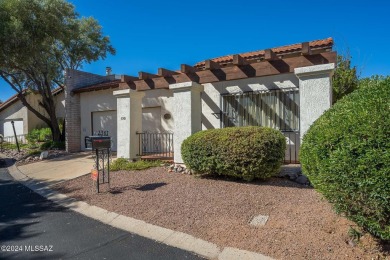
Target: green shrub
{"points": [[124, 164], [52, 145], [39, 135], [243, 152], [44, 134], [33, 136], [346, 155]]}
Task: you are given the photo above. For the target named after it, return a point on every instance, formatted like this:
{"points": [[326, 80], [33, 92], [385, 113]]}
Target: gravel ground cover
{"points": [[23, 156], [301, 224]]}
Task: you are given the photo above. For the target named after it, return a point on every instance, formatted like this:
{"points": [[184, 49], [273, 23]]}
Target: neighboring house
{"points": [[25, 120], [286, 88]]}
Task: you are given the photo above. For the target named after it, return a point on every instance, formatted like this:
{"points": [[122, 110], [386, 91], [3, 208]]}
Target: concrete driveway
{"points": [[59, 169]]}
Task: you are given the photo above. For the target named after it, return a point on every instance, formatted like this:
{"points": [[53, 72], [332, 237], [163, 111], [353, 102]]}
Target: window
{"points": [[276, 108]]}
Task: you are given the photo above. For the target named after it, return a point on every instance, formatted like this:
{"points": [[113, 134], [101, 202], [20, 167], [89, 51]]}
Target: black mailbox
{"points": [[99, 142]]}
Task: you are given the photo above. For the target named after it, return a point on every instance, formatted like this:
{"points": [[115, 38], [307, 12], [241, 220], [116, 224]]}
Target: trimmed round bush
{"points": [[346, 156], [244, 152]]}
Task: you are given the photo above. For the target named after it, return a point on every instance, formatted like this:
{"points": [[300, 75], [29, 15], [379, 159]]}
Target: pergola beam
{"points": [[211, 65], [306, 50], [239, 60], [126, 78], [145, 75], [269, 55], [166, 73], [187, 69]]}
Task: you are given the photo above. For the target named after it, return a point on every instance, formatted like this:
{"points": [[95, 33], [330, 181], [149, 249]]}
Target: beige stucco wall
{"points": [[211, 96], [14, 112], [33, 120], [102, 100], [160, 98], [30, 121]]}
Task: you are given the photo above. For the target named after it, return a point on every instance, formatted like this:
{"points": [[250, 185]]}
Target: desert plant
{"points": [[244, 152], [345, 78], [346, 155]]}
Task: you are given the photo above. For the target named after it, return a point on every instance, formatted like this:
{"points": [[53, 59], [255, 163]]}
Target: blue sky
{"points": [[152, 34]]}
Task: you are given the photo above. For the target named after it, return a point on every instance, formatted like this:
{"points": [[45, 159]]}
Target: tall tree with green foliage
{"points": [[345, 79], [39, 39]]}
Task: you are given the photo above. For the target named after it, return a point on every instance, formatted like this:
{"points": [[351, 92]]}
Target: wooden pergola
{"points": [[264, 63]]}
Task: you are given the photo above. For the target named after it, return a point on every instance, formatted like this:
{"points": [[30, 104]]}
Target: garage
{"points": [[8, 130], [104, 122]]}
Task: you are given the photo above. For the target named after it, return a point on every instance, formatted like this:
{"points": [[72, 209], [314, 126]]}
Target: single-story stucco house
{"points": [[25, 120], [286, 88]]}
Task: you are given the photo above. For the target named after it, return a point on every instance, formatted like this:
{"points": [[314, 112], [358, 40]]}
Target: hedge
{"points": [[346, 156], [243, 152]]}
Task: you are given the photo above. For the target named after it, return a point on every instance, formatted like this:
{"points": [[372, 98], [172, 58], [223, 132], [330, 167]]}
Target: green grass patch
{"points": [[124, 164]]}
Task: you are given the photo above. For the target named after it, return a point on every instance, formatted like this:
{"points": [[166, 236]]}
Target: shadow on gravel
{"points": [[146, 187], [274, 181], [151, 186]]}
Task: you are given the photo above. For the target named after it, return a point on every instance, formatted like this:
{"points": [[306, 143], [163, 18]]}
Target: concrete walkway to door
{"points": [[59, 169]]}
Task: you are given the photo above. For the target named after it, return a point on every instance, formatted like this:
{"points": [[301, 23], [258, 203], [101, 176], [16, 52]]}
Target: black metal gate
{"points": [[155, 145], [277, 109]]}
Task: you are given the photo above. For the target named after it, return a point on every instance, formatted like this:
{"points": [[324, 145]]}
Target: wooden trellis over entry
{"points": [[239, 66]]}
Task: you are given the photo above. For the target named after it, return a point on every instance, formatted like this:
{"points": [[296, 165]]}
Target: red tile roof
{"points": [[289, 49]]}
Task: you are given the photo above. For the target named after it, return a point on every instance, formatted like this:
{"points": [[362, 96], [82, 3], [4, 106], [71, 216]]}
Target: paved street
{"points": [[40, 229]]}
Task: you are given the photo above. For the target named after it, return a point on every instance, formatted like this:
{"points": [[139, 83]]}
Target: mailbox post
{"points": [[101, 145]]}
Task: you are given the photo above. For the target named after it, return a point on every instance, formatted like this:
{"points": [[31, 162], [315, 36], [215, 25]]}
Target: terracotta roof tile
{"points": [[325, 43]]}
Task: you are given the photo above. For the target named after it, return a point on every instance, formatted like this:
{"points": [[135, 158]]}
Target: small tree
{"points": [[345, 79], [39, 39]]}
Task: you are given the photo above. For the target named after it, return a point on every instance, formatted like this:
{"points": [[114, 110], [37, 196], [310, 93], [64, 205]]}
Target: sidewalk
{"points": [[59, 169], [40, 176]]}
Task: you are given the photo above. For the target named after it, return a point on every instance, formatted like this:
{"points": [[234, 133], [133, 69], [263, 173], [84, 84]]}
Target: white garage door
{"points": [[105, 121], [8, 130]]}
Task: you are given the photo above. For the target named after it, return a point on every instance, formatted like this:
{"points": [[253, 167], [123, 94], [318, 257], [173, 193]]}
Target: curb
{"points": [[139, 227]]}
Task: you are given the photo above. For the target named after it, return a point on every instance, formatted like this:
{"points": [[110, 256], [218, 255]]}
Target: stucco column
{"points": [[315, 93], [129, 120], [187, 113]]}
